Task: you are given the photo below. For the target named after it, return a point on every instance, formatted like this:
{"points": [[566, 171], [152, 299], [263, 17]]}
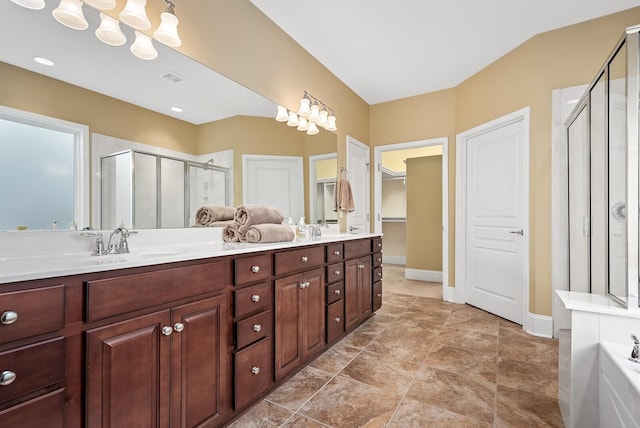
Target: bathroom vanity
{"points": [[173, 336]]}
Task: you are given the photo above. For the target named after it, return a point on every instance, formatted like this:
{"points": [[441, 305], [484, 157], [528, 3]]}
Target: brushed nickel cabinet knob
{"points": [[255, 298], [255, 269], [8, 317], [7, 377]]}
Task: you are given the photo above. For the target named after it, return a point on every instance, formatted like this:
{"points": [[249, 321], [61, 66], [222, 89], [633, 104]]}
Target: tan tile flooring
{"points": [[422, 362]]}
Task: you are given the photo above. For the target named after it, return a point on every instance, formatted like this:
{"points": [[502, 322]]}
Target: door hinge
{"points": [[367, 216], [379, 167]]}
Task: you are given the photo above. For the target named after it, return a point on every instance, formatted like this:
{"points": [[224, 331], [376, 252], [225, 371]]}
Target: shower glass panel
{"points": [[145, 200], [207, 187], [172, 189], [599, 213], [579, 204], [617, 185], [116, 189]]}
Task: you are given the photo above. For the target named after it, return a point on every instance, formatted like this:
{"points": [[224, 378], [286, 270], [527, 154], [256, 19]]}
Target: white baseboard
{"points": [[449, 294], [423, 275], [394, 260], [539, 325]]}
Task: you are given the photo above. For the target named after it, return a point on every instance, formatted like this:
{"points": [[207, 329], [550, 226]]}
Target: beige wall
{"points": [[394, 239], [394, 159], [424, 213]]}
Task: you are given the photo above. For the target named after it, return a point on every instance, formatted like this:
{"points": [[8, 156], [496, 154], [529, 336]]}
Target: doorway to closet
{"points": [[411, 208]]}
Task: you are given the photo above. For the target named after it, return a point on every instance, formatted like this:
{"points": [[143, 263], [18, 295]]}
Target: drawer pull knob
{"points": [[166, 330], [255, 370], [304, 284], [255, 269], [379, 245], [255, 298], [336, 272], [9, 317], [380, 274], [336, 253], [336, 292], [336, 319], [7, 377], [178, 327], [379, 295], [360, 266], [304, 259], [257, 327], [379, 259]]}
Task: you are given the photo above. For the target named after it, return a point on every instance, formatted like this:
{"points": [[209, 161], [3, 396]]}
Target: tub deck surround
{"points": [[36, 255], [592, 320], [180, 332]]}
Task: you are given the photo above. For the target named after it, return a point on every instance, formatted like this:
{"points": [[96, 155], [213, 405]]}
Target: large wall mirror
{"points": [[126, 103]]}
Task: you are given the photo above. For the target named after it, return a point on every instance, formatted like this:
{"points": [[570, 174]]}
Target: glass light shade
{"points": [[293, 119], [282, 115], [315, 113], [304, 109], [69, 13], [30, 4], [143, 48], [134, 15], [303, 125], [109, 31], [167, 31], [102, 4], [323, 118], [313, 129], [331, 124]]}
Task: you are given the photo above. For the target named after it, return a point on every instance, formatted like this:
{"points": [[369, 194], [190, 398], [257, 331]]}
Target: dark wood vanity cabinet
{"points": [[170, 367], [32, 357], [335, 292]]}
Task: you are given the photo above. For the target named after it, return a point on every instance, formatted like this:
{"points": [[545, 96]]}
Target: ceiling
{"points": [[386, 50]]}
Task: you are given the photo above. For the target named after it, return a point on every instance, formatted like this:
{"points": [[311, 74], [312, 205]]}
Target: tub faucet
{"points": [[635, 352]]}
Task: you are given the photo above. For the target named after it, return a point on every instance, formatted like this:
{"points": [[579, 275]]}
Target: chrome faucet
{"points": [[121, 246], [98, 248], [316, 230], [635, 352]]}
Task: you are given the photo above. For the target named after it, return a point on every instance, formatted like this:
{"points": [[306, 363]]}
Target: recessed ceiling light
{"points": [[177, 109], [43, 61]]}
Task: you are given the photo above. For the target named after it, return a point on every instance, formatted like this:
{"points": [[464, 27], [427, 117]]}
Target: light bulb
{"points": [[303, 125], [293, 119], [134, 15], [167, 31], [315, 113], [323, 118], [304, 109], [143, 48], [69, 13], [109, 31], [30, 4], [313, 129], [282, 115], [331, 123]]}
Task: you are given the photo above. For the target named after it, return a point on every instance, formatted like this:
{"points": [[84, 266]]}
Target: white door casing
{"points": [[276, 181], [492, 258], [358, 171]]}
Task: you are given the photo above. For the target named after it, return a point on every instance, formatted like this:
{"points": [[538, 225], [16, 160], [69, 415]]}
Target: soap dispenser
{"points": [[302, 228]]}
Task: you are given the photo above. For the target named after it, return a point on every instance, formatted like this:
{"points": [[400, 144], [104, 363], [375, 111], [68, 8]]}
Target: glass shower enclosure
{"points": [[148, 191]]}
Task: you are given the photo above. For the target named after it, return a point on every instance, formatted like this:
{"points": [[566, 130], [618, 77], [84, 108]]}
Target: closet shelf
{"points": [[394, 219]]}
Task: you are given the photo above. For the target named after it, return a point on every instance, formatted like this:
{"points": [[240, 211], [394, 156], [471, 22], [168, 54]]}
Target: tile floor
{"points": [[422, 362]]}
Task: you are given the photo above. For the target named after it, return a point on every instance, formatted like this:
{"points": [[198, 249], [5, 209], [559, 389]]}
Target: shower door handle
{"points": [[518, 232]]}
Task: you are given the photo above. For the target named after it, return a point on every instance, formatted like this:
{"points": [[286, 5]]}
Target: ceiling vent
{"points": [[173, 77]]}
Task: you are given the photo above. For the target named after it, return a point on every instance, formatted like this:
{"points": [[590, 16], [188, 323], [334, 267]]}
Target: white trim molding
{"points": [[539, 325], [394, 260], [423, 275]]}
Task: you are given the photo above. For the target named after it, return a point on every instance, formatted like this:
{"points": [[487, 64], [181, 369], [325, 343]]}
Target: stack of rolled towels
{"points": [[209, 216], [257, 224]]}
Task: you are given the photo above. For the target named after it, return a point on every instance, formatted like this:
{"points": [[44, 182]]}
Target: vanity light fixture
{"points": [[109, 31], [143, 48], [69, 13], [135, 15], [31, 4], [311, 114], [167, 31]]}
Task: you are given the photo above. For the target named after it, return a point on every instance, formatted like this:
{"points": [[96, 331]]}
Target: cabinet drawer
{"points": [[35, 366], [335, 292], [377, 259], [113, 296], [43, 411], [252, 269], [377, 295], [376, 244], [254, 328], [38, 311], [335, 272], [255, 298], [254, 372], [377, 274], [357, 248], [296, 260], [335, 252], [335, 320]]}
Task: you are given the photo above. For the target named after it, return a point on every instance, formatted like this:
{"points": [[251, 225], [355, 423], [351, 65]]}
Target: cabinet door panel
{"points": [[365, 285], [200, 363], [128, 373], [44, 411], [313, 326], [351, 314], [288, 352]]}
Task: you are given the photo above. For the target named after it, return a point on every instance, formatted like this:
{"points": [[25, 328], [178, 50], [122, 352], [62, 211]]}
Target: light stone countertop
{"points": [[149, 252], [597, 303]]}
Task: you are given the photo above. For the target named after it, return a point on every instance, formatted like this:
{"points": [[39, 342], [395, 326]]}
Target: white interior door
{"points": [[276, 181], [496, 219], [358, 168]]}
